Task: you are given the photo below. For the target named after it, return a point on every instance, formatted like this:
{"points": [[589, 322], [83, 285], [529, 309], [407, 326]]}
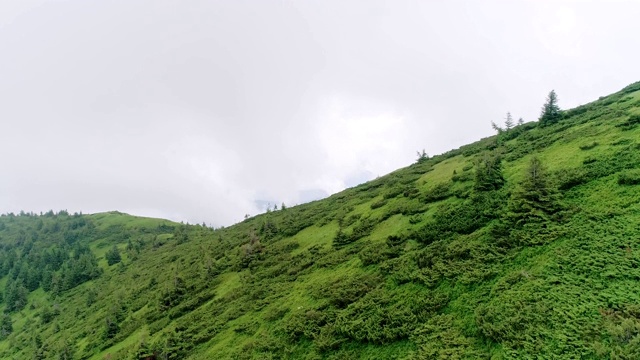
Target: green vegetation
{"points": [[113, 256], [551, 112], [521, 245]]}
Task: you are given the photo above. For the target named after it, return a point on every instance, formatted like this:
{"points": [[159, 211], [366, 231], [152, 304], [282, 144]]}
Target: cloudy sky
{"points": [[206, 110]]}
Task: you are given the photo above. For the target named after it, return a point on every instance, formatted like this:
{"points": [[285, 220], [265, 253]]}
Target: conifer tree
{"points": [[180, 234], [536, 199], [39, 348], [422, 156], [113, 256], [66, 350], [6, 326], [551, 112], [508, 123], [15, 295], [496, 127], [489, 173]]}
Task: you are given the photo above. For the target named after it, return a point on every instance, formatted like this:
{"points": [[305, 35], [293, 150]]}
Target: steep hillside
{"points": [[522, 245]]}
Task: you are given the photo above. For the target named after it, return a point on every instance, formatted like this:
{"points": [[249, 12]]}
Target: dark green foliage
{"points": [[411, 192], [113, 256], [589, 146], [385, 316], [461, 218], [405, 209], [569, 178], [488, 174], [47, 314], [6, 326], [345, 291], [181, 235], [15, 296], [111, 328], [252, 250], [268, 229], [296, 219], [422, 157], [306, 323], [631, 122], [536, 198], [79, 269], [361, 229], [551, 112], [371, 255], [393, 192], [378, 204], [630, 88], [39, 349], [65, 350], [342, 239], [173, 293], [439, 192], [440, 338], [464, 176], [629, 177], [518, 312]]}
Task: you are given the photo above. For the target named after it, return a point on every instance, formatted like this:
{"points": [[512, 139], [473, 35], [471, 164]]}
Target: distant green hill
{"points": [[522, 245]]}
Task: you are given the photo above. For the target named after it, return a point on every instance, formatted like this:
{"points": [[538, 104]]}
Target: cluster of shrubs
{"points": [[629, 177]]}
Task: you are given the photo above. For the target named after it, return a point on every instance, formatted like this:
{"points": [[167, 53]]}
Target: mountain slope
{"points": [[482, 252]]}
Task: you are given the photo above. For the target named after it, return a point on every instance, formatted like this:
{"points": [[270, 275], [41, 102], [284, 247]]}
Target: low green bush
{"points": [[439, 192], [589, 146], [378, 204], [630, 123], [393, 192], [347, 289], [569, 178], [629, 177]]}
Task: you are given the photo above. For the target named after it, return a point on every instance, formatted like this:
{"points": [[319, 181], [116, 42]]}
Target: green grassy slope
{"points": [[423, 263]]}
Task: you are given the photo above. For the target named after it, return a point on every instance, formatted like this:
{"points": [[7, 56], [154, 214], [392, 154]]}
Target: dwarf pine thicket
{"points": [[525, 244]]}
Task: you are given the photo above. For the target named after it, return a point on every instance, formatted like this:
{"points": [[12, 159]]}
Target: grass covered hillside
{"points": [[522, 245]]}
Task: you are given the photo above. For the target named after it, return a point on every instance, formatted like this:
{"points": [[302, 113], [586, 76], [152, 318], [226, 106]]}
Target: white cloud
{"points": [[196, 110], [557, 28], [356, 140]]}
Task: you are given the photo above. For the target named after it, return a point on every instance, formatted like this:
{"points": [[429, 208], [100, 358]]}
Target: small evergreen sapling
{"points": [[6, 326], [497, 128], [422, 156], [113, 256]]}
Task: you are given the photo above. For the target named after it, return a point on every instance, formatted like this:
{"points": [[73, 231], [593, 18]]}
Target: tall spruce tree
{"points": [[551, 112], [536, 199], [508, 122]]}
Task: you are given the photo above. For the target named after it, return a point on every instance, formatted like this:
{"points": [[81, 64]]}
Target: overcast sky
{"points": [[206, 110]]}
